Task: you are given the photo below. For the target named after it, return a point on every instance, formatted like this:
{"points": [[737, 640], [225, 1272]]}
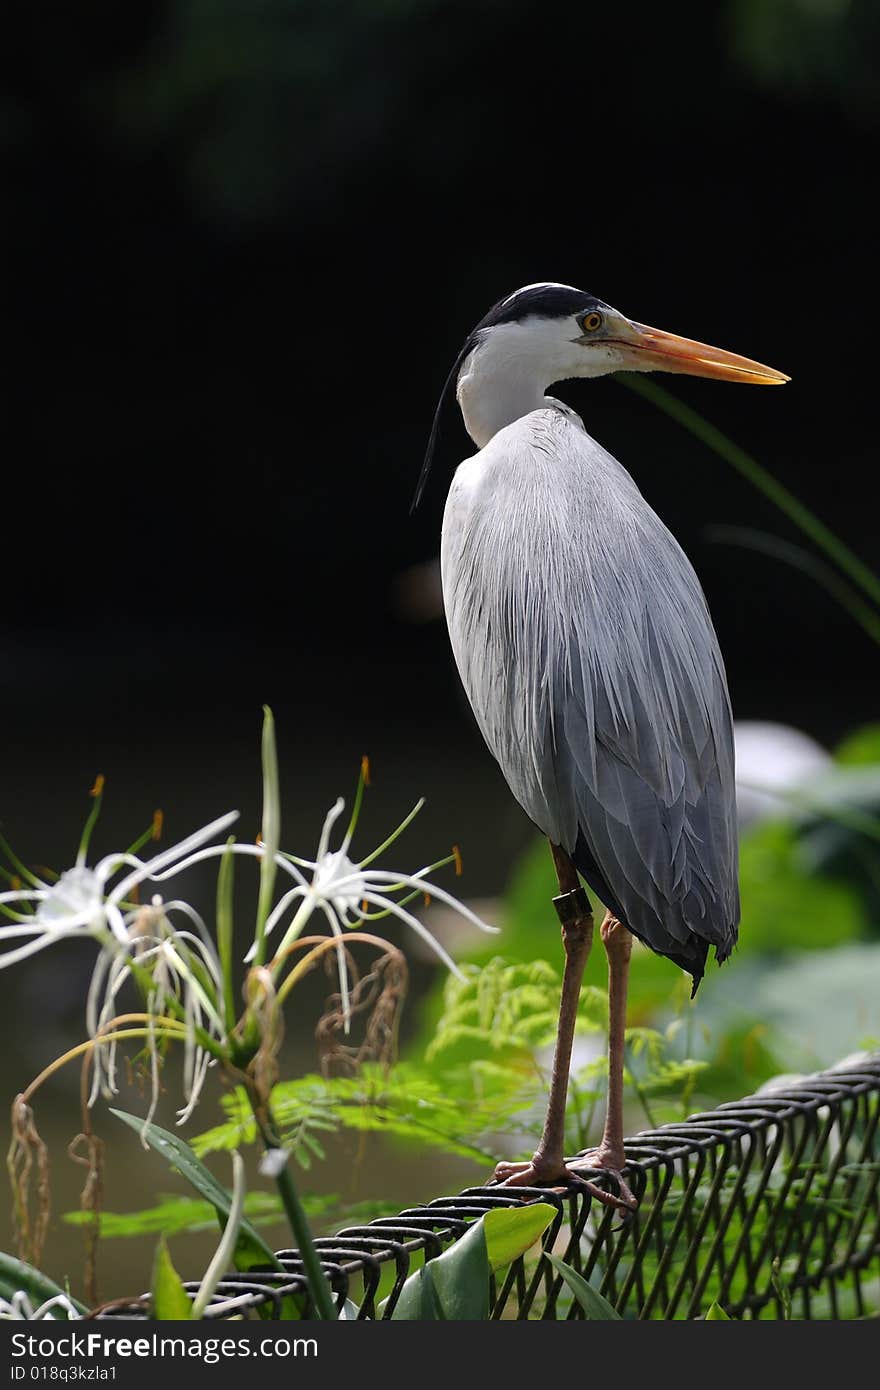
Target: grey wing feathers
{"points": [[653, 798], [587, 651]]}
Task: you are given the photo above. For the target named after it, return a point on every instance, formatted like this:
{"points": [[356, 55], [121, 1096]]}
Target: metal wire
{"points": [[769, 1206]]}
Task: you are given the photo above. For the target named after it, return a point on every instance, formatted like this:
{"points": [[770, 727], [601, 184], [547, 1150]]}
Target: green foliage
{"points": [[595, 1307], [717, 1314], [786, 908], [812, 1009], [741, 1059], [175, 1215], [530, 931], [18, 1277], [172, 1215], [781, 1289], [480, 1075], [511, 1231], [506, 1010], [452, 1287], [861, 748], [170, 1300], [408, 1104], [455, 1285], [251, 1250], [271, 831], [484, 1074]]}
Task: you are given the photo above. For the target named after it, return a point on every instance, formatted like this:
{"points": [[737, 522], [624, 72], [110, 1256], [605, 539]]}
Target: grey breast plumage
{"points": [[586, 649]]}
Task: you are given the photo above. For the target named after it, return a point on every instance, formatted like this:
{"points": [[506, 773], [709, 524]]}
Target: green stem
{"points": [[225, 934], [319, 1289], [759, 477], [853, 603], [271, 833]]}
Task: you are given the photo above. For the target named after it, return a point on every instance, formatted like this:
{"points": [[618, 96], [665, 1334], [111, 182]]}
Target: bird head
{"points": [[574, 334], [545, 333]]}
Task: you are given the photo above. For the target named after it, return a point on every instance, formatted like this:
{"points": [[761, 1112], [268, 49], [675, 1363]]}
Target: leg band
{"points": [[573, 906]]}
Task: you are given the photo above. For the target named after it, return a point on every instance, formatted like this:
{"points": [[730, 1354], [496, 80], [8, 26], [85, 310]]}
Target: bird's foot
{"points": [[543, 1172], [594, 1160]]}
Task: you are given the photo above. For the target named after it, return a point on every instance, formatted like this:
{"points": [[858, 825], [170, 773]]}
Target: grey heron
{"points": [[586, 649]]}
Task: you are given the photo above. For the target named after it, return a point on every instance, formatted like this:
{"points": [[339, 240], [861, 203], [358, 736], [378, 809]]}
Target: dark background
{"points": [[246, 242]]}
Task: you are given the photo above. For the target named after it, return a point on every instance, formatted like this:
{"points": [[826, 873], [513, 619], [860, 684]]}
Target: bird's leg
{"points": [[610, 1154], [548, 1163]]}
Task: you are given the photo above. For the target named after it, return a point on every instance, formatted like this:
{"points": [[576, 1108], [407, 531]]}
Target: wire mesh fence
{"points": [[769, 1206]]}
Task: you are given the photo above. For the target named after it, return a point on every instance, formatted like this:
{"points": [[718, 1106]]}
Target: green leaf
{"points": [[271, 831], [595, 1307], [430, 1307], [18, 1277], [717, 1314], [225, 879], [251, 1250], [453, 1287], [176, 1215], [171, 1302], [510, 1231]]}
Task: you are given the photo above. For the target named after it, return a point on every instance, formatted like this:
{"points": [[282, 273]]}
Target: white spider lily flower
{"points": [[19, 1308], [349, 894], [175, 957], [82, 901]]}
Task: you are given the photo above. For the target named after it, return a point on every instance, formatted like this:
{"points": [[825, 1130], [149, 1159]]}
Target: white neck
{"points": [[508, 372], [491, 400]]}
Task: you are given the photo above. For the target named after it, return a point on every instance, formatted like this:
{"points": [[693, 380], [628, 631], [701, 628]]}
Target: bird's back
{"points": [[586, 649]]}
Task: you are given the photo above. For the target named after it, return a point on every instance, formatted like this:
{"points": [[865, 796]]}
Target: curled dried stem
{"points": [[263, 1008], [379, 995], [28, 1154], [87, 1149]]}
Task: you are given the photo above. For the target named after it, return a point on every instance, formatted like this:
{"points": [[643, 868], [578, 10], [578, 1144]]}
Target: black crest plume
{"points": [[536, 301]]}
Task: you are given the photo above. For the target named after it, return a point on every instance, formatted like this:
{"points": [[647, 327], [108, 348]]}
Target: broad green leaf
{"points": [[430, 1307], [717, 1314], [453, 1287], [171, 1302], [510, 1231], [461, 1277], [251, 1250], [595, 1307], [18, 1277]]}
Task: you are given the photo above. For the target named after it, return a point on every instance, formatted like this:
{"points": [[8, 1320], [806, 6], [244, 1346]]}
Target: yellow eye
{"points": [[591, 321]]}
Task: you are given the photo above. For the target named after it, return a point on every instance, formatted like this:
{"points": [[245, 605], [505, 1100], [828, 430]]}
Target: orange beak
{"points": [[644, 349]]}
